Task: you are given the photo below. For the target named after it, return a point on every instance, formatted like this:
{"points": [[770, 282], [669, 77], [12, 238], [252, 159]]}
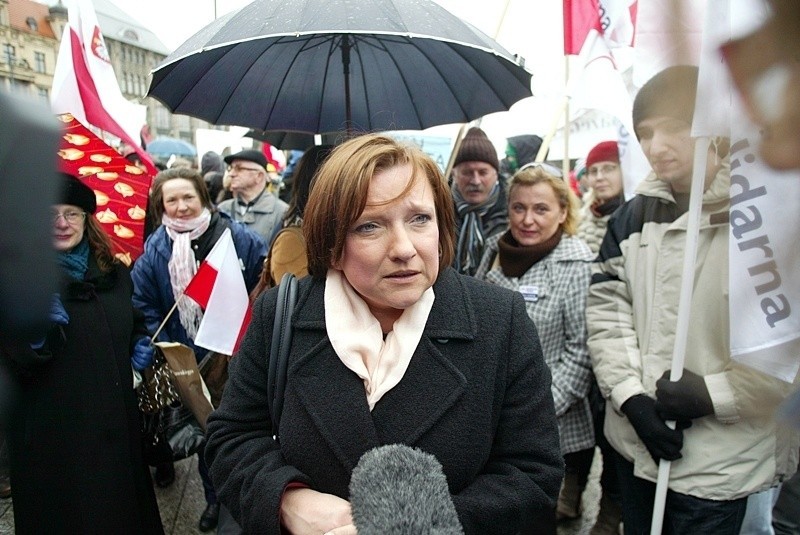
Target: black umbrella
{"points": [[285, 140], [330, 65]]}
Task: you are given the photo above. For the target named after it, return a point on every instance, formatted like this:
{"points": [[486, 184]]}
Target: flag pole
{"points": [[684, 309], [563, 107], [171, 310], [565, 159]]}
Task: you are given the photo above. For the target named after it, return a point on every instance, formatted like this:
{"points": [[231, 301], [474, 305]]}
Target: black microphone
{"points": [[398, 490]]}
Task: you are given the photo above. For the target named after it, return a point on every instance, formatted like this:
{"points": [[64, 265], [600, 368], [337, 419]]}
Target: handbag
{"points": [[155, 392], [170, 430], [279, 349]]}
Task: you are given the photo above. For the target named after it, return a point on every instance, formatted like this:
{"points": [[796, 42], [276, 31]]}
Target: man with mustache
{"points": [[480, 201]]}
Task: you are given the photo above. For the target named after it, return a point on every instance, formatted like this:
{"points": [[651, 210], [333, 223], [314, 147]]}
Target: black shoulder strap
{"points": [[279, 348]]}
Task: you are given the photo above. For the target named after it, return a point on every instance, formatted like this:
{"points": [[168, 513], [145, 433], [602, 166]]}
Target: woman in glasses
{"points": [[190, 226], [604, 177], [540, 257], [74, 436]]}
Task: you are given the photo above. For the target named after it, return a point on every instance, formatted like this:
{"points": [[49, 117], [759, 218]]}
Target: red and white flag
{"points": [[614, 20], [218, 287], [597, 31], [84, 83]]}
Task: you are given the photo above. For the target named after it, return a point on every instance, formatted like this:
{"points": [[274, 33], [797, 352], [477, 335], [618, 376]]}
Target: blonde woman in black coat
{"points": [[390, 346]]}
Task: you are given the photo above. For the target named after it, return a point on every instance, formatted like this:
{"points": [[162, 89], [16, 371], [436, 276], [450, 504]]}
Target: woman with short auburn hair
{"points": [[389, 345]]}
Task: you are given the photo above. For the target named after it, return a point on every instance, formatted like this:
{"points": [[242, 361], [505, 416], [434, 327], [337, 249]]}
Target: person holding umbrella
{"points": [[390, 345]]}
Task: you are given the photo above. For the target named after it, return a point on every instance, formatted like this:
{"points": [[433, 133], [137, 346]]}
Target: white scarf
{"points": [[357, 338], [183, 266]]}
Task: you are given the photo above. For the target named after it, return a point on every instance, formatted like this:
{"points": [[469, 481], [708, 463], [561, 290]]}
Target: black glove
{"points": [[661, 441], [684, 399]]}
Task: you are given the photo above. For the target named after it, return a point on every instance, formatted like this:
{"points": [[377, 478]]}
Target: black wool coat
{"points": [[476, 395], [74, 437]]}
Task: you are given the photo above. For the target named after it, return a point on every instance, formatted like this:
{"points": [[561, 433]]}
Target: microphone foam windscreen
{"points": [[398, 490]]}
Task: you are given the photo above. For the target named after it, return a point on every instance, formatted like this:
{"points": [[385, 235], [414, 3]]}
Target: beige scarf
{"points": [[357, 338]]}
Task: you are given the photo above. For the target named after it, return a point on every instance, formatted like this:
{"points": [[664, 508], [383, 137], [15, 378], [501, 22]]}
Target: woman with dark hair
{"points": [[74, 437], [287, 253], [390, 345], [190, 227]]}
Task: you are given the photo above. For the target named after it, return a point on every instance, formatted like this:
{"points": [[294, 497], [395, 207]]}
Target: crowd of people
{"points": [[502, 319]]}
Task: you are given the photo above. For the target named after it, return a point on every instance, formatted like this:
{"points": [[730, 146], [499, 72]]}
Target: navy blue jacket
{"points": [[153, 289]]}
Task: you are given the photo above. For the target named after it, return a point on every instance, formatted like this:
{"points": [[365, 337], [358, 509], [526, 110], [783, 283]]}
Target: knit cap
{"points": [[76, 193], [476, 147], [605, 151], [671, 92]]}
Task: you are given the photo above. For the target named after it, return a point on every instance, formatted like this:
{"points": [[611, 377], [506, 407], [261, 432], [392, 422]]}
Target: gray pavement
{"points": [[182, 502]]}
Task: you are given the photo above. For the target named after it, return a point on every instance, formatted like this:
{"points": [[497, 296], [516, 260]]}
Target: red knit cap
{"points": [[605, 151]]}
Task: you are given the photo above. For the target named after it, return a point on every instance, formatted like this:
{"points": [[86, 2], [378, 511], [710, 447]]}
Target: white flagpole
{"points": [[563, 108], [684, 307]]}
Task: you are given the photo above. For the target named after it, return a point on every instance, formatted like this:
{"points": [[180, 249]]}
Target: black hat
{"points": [[77, 193], [250, 155], [476, 147], [671, 92]]}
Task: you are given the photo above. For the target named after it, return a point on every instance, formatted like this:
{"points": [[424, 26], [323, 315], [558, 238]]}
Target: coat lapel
{"points": [[334, 396]]}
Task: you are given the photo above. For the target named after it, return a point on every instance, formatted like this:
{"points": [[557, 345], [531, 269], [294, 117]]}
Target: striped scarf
{"points": [[470, 237]]}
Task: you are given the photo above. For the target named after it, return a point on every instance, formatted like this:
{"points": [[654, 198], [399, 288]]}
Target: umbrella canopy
{"points": [[167, 146], [285, 140], [121, 188], [330, 65]]}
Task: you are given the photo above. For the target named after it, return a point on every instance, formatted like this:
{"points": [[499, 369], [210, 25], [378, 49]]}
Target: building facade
{"points": [[30, 36]]}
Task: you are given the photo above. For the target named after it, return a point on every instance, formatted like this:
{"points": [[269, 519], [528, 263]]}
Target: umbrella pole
{"points": [[346, 68]]}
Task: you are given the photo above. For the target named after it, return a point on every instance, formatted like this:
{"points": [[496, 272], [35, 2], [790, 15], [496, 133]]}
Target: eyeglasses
{"points": [[70, 217], [546, 167], [238, 168], [605, 169]]}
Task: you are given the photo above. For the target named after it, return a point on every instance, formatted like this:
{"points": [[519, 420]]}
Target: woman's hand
{"points": [[308, 512]]}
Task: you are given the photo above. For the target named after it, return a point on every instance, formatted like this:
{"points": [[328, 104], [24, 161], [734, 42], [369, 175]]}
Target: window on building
{"points": [[130, 34], [9, 53], [39, 60], [162, 117], [182, 122], [32, 24], [44, 94]]}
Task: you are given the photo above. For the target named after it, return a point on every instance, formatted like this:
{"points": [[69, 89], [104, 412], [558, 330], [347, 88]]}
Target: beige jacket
{"points": [[631, 316]]}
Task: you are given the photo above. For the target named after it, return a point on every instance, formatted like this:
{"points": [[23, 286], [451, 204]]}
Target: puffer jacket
{"points": [[631, 313]]}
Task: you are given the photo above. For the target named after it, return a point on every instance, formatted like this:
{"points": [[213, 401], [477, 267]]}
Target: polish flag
{"points": [[615, 20], [218, 287], [84, 83]]}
